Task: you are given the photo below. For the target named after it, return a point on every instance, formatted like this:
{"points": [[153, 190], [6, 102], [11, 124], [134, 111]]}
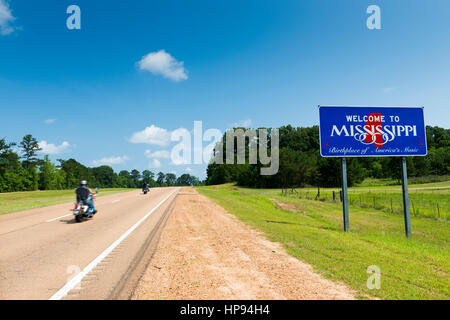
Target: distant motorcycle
{"points": [[145, 188], [81, 210]]}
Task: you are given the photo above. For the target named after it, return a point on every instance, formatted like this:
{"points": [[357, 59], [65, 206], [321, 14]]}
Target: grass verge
{"points": [[20, 201], [410, 269]]}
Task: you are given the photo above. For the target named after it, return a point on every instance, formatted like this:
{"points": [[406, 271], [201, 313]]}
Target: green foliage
{"points": [[13, 176], [161, 177], [171, 179], [29, 147], [136, 176], [301, 163], [105, 176], [125, 180], [148, 176], [47, 175], [41, 174], [186, 179]]}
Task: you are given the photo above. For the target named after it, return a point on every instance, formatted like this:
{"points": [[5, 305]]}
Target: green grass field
{"points": [[370, 182], [312, 232], [427, 200], [432, 203], [19, 201]]}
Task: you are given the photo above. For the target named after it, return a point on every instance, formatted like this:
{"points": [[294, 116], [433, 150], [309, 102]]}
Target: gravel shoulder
{"points": [[206, 253]]}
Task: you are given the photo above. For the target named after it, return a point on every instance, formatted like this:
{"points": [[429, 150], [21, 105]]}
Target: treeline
{"points": [[25, 171], [301, 163]]}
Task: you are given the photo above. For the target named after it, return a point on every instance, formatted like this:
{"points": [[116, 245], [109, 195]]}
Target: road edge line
{"points": [[139, 265]]}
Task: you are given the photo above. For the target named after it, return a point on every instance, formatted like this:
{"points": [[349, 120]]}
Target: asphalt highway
{"points": [[45, 254]]}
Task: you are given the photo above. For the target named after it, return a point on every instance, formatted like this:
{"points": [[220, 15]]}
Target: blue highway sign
{"points": [[372, 131]]}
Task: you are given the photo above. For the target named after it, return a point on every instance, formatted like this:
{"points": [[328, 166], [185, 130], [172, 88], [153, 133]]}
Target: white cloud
{"points": [[6, 18], [162, 63], [243, 123], [50, 148], [110, 161], [155, 163], [49, 121], [152, 135], [180, 132], [388, 89], [157, 154], [188, 170]]}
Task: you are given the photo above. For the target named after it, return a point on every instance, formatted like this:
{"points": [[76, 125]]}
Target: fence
{"points": [[430, 203]]}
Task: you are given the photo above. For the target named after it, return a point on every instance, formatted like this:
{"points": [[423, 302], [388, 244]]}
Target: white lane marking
{"points": [[77, 279], [54, 219], [115, 201]]}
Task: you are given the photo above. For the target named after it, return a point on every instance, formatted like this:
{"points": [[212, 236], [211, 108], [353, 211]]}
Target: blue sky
{"points": [[259, 63]]}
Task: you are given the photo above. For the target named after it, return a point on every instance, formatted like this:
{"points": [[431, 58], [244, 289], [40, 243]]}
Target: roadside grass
{"points": [[20, 201], [410, 269]]}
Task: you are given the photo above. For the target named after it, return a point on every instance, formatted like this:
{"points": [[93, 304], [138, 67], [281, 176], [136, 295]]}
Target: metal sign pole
{"points": [[406, 199], [344, 194]]}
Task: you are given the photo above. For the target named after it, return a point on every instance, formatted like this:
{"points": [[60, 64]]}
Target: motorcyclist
{"points": [[83, 193], [145, 186]]}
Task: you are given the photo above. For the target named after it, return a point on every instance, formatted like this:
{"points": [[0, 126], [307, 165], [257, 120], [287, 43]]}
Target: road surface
{"points": [[45, 254]]}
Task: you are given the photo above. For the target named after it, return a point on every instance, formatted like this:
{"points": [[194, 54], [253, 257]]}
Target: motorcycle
{"points": [[81, 210], [146, 190]]}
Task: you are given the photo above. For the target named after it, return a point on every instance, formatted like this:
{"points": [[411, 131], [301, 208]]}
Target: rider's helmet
{"points": [[84, 183]]}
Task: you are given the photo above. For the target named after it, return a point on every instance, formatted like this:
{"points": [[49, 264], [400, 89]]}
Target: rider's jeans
{"points": [[90, 203]]}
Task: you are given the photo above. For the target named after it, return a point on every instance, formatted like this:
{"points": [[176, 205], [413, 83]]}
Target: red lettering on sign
{"points": [[374, 120]]}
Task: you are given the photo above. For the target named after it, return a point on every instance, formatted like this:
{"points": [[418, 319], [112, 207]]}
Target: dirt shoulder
{"points": [[207, 253]]}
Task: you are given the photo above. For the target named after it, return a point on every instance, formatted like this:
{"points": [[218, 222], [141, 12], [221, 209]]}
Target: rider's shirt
{"points": [[82, 193]]}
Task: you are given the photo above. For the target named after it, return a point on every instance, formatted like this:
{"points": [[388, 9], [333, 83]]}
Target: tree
{"points": [[184, 180], [13, 177], [60, 180], [171, 179], [187, 180], [148, 176], [75, 172], [5, 147], [6, 154], [30, 147], [47, 175], [161, 178], [135, 176], [105, 177], [125, 180]]}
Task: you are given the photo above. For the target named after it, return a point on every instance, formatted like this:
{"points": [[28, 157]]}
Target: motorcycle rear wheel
{"points": [[78, 218]]}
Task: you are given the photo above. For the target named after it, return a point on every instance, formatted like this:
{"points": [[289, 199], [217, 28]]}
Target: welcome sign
{"points": [[372, 131]]}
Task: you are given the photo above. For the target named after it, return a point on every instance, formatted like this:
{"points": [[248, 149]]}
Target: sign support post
{"points": [[344, 194], [406, 199], [346, 131]]}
